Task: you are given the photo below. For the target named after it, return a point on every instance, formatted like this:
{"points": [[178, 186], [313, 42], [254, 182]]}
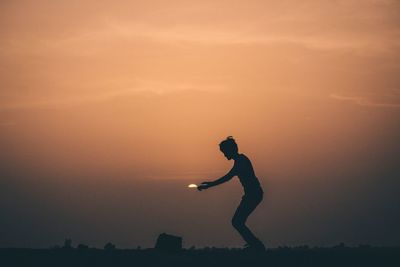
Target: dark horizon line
{"points": [[84, 246]]}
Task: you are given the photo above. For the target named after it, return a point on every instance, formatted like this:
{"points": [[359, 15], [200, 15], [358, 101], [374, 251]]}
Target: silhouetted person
{"points": [[253, 193]]}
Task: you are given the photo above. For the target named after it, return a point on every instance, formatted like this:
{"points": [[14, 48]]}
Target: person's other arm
{"points": [[223, 179]]}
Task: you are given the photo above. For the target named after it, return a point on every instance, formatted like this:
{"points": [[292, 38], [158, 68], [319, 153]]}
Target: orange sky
{"points": [[147, 89]]}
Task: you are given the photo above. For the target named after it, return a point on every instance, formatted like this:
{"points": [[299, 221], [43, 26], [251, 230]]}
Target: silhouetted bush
{"points": [[109, 246], [83, 247]]}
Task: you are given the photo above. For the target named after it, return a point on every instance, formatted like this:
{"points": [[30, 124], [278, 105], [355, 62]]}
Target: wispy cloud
{"points": [[142, 87], [370, 26], [253, 33], [83, 42], [363, 101]]}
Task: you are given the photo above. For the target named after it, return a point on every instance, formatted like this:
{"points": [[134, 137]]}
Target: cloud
{"points": [[370, 26], [84, 43], [363, 101], [142, 87]]}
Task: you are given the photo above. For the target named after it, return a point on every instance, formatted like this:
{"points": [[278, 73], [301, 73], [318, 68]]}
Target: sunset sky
{"points": [[109, 109]]}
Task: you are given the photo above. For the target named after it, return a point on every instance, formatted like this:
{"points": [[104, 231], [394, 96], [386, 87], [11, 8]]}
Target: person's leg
{"points": [[245, 208]]}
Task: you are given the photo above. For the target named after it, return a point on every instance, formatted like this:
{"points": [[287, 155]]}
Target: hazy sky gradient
{"points": [[109, 109]]}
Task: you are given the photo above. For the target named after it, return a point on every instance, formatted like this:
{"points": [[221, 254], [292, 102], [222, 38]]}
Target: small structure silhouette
{"points": [[167, 242], [67, 244]]}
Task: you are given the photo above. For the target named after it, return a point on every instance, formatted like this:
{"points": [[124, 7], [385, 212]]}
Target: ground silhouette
{"points": [[284, 256]]}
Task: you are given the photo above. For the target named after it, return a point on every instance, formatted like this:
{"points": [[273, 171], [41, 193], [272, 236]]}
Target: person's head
{"points": [[229, 147]]}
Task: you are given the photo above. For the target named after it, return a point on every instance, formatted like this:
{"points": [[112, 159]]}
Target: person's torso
{"points": [[246, 175]]}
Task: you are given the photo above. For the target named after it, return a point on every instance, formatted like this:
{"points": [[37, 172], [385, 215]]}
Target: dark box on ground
{"points": [[167, 242]]}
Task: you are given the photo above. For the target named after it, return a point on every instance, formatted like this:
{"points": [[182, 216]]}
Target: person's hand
{"points": [[204, 185]]}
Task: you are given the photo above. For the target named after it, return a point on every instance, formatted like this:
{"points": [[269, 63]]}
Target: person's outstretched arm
{"points": [[223, 179]]}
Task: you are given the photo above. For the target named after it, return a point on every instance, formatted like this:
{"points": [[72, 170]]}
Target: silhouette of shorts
{"points": [[247, 206]]}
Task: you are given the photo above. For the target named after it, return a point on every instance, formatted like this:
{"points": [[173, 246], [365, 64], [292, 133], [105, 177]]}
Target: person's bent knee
{"points": [[237, 223]]}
